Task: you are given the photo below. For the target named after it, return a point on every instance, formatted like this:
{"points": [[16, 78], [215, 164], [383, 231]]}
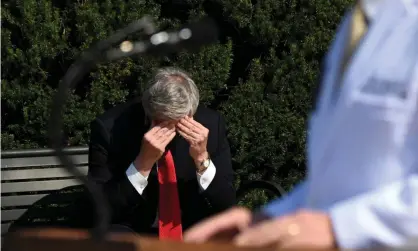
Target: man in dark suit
{"points": [[130, 154]]}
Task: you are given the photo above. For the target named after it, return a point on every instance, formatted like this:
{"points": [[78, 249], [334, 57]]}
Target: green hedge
{"points": [[260, 75]]}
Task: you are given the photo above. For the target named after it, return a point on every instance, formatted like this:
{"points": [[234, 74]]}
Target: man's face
{"points": [[172, 122], [159, 121]]}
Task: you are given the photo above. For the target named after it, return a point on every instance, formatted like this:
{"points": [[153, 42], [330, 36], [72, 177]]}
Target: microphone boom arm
{"points": [[189, 37], [75, 73]]}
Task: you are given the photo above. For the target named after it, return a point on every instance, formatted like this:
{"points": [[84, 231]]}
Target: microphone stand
{"points": [[76, 72]]}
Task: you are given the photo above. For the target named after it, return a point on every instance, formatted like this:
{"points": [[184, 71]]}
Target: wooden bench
{"points": [[29, 176]]}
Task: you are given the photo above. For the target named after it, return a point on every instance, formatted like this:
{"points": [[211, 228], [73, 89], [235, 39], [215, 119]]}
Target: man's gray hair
{"points": [[171, 95]]}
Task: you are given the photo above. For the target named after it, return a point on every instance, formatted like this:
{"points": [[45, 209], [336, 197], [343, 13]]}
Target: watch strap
{"points": [[202, 168]]}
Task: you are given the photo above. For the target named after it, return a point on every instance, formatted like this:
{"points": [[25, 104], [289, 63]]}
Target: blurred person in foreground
{"points": [[361, 189], [163, 160]]}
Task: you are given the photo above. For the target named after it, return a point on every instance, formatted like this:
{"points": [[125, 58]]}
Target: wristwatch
{"points": [[203, 166]]}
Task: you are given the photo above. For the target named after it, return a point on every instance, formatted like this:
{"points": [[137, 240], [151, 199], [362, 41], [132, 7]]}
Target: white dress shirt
{"points": [[362, 150], [140, 182]]}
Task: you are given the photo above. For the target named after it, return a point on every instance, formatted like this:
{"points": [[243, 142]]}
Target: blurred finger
{"points": [[265, 233], [162, 128], [160, 132], [290, 243], [164, 132], [186, 123], [237, 218], [257, 236], [166, 124], [158, 127], [259, 217], [168, 138]]}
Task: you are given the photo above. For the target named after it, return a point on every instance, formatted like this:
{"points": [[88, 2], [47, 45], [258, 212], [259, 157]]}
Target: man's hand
{"points": [[222, 226], [197, 136], [153, 146], [299, 230]]}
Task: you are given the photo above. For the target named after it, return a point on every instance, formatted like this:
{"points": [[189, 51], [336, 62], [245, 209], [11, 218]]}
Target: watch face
{"points": [[206, 163]]}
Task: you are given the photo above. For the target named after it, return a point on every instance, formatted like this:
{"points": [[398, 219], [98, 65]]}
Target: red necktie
{"points": [[169, 206]]}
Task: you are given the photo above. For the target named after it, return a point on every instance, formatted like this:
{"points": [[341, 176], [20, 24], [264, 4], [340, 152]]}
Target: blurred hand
{"points": [[223, 226], [197, 136], [153, 145], [296, 231]]}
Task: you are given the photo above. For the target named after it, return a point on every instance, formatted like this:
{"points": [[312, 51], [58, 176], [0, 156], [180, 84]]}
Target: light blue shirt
{"points": [[362, 150]]}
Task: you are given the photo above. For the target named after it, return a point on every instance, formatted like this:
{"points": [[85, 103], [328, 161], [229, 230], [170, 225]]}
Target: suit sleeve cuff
{"points": [[207, 177], [138, 181]]}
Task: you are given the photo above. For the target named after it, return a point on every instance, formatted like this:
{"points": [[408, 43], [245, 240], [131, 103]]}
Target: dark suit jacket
{"points": [[114, 144]]}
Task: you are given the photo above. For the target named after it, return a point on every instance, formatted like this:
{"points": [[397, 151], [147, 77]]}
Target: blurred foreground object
{"points": [[50, 239], [363, 131], [361, 187]]}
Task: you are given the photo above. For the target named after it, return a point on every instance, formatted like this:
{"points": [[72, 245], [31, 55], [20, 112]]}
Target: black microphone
{"points": [[189, 37]]}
